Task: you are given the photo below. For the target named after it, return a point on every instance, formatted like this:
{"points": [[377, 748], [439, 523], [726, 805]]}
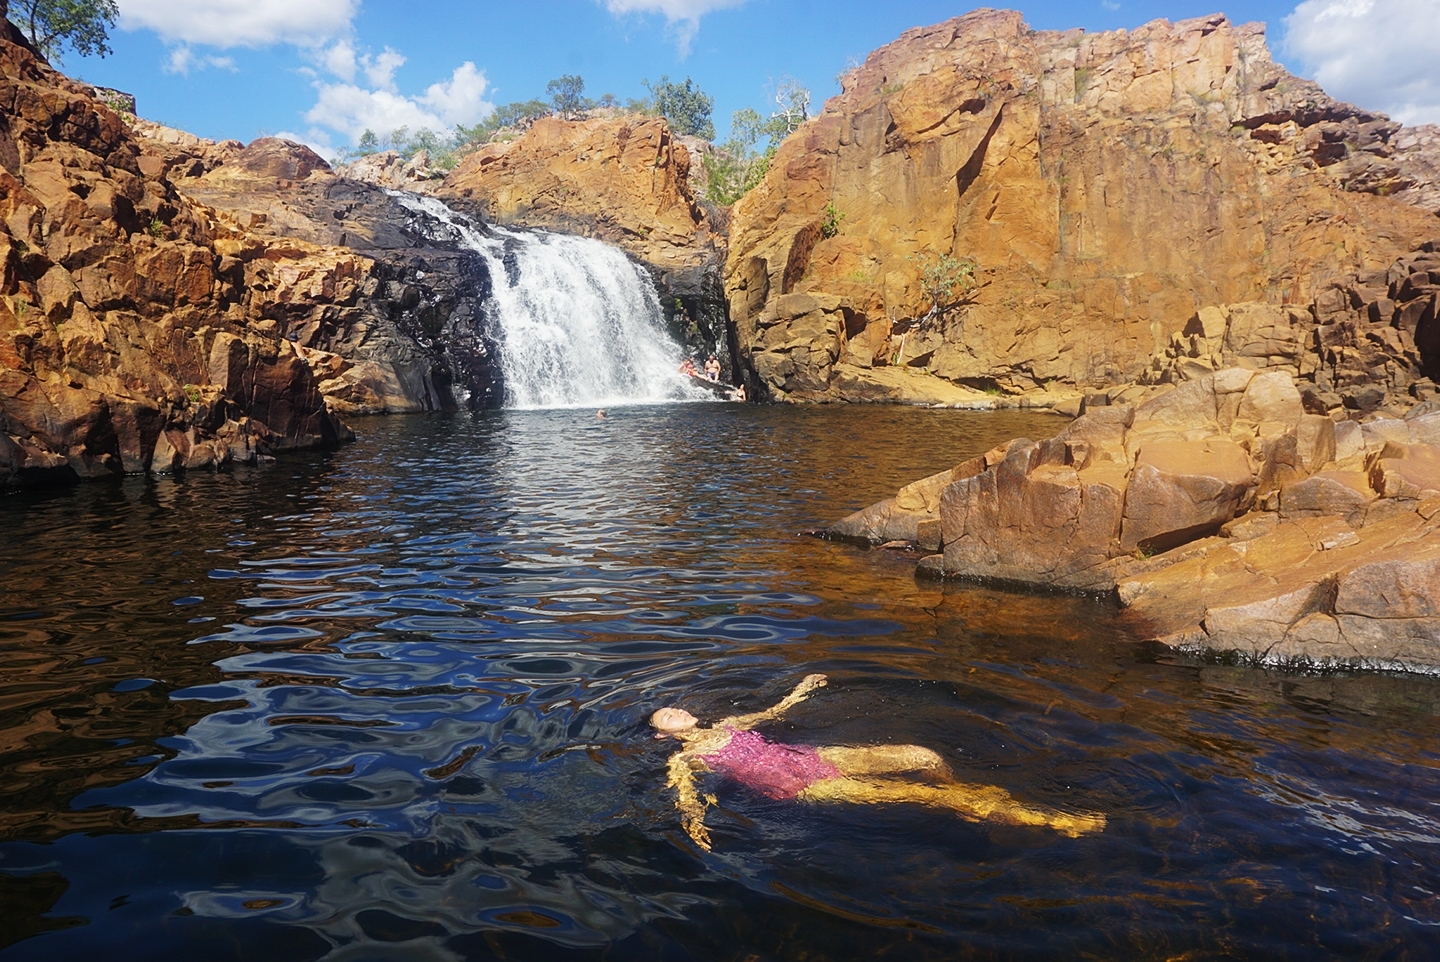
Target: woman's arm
{"points": [[688, 800], [801, 692]]}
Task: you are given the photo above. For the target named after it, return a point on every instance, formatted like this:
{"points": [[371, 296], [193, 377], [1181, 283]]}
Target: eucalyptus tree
{"points": [[52, 25]]}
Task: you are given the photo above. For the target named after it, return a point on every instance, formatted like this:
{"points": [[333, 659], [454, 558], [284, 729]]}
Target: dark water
{"points": [[389, 704]]}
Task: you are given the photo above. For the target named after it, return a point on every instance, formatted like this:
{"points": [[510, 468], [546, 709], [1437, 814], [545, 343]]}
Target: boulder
{"points": [[1033, 519], [1341, 565], [1406, 471], [1273, 397], [1183, 490], [1344, 493], [1316, 590]]}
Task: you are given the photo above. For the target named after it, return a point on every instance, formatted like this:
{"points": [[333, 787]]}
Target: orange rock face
{"points": [[1108, 185], [1217, 513], [625, 181], [124, 343]]}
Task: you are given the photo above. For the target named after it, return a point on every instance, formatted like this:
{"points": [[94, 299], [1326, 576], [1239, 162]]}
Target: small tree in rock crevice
{"points": [[946, 280], [735, 167]]}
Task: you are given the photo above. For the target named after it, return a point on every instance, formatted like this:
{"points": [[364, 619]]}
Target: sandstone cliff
{"points": [[623, 180], [1108, 185], [175, 303], [383, 305], [125, 343]]}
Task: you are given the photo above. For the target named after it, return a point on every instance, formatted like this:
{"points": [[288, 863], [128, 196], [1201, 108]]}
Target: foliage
{"points": [[567, 95], [81, 25], [830, 220], [516, 116], [444, 150], [944, 279], [730, 175], [792, 101], [737, 165], [686, 106]]}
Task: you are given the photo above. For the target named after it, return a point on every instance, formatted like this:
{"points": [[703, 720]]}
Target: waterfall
{"points": [[576, 322]]}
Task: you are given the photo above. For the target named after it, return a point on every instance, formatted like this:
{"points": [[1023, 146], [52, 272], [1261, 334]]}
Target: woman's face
{"points": [[671, 720]]}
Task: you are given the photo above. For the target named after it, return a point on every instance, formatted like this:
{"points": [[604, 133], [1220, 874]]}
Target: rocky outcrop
{"points": [[625, 180], [1220, 514], [1110, 186], [389, 169], [383, 301], [1367, 342], [125, 342]]}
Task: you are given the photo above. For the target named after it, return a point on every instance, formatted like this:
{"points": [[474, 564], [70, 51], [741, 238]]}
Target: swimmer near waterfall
{"points": [[870, 775]]}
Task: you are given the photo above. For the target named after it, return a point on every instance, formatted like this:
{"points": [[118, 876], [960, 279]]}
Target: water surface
{"points": [[389, 703]]}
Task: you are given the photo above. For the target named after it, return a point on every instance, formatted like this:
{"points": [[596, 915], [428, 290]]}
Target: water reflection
{"points": [[389, 703]]}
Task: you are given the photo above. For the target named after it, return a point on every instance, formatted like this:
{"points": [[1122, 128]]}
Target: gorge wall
{"points": [[171, 303], [124, 343], [1108, 185]]}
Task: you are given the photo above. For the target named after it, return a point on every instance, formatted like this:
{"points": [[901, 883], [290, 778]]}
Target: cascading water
{"points": [[577, 324]]}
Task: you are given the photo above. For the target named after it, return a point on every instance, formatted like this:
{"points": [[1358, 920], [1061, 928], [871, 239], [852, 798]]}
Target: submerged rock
{"points": [[1218, 513]]}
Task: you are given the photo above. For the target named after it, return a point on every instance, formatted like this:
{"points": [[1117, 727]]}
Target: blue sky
{"points": [[323, 70]]}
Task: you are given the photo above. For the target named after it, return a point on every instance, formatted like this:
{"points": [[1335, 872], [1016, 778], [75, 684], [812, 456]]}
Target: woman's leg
{"points": [[973, 802], [881, 759]]}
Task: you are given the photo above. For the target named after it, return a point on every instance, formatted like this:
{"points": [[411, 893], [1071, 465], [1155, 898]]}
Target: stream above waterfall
{"points": [[391, 701]]}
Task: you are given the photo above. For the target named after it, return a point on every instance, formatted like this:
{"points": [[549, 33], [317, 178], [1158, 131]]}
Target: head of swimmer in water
{"points": [[672, 721]]}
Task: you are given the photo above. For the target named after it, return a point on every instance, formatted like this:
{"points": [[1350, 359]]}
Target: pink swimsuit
{"points": [[779, 771]]}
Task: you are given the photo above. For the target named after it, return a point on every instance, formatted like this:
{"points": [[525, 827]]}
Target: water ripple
{"points": [[391, 702]]}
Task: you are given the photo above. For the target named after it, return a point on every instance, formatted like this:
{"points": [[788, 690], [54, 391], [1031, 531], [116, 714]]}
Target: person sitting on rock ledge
{"points": [[712, 368], [863, 775]]}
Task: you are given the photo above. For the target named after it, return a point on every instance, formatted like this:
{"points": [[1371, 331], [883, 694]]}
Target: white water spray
{"points": [[578, 323]]}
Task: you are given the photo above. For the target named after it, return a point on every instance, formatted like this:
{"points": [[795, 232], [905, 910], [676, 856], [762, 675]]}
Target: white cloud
{"points": [[682, 16], [381, 69], [241, 23], [182, 60], [350, 109], [340, 60], [1377, 54]]}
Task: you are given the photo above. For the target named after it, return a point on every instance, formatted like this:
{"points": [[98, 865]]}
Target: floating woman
{"points": [[831, 774]]}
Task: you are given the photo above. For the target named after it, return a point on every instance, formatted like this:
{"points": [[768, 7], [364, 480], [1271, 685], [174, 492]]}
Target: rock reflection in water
{"points": [[391, 702]]}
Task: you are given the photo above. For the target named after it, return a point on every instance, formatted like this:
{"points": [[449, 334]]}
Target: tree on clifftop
{"points": [[568, 95], [734, 167], [82, 25], [685, 106]]}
